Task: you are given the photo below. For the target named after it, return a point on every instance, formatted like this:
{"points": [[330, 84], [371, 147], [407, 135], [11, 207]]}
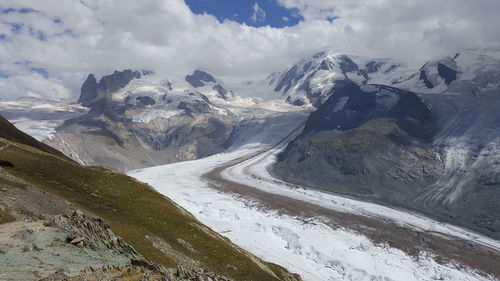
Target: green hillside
{"points": [[134, 210]]}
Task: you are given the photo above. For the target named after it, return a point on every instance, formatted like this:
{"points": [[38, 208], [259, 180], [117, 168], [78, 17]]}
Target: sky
{"points": [[47, 48], [255, 13]]}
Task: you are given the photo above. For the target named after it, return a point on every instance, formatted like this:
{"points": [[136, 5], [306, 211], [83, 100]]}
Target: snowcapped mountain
{"points": [[311, 80], [464, 72], [141, 119], [354, 144], [205, 82]]}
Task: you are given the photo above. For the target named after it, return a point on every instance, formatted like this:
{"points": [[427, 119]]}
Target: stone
{"points": [[77, 240]]}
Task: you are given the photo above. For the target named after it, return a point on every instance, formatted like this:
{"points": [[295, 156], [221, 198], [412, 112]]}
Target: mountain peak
{"points": [[199, 78], [91, 90]]}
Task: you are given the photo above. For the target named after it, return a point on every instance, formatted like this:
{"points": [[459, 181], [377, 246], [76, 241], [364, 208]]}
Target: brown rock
{"points": [[76, 240]]}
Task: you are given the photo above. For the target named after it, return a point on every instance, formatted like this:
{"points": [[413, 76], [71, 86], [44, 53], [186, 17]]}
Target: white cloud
{"points": [[100, 36], [32, 85], [258, 13]]}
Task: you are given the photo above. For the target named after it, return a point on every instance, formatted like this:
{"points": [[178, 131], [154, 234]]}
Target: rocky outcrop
{"points": [[88, 92], [371, 141], [435, 71], [132, 272], [97, 254], [351, 105], [221, 91], [199, 78], [92, 91], [92, 233], [117, 80]]}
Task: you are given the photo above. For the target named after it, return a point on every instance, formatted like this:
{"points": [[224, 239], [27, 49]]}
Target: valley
{"points": [[234, 193]]}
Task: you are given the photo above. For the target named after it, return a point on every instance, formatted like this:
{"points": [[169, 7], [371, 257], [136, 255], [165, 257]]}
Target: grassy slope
{"points": [[10, 132], [134, 211], [6, 217]]}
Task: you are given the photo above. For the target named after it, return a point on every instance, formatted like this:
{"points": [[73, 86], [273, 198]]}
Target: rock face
{"points": [[201, 78], [93, 233], [198, 78], [222, 91], [370, 141], [91, 91], [437, 71], [350, 106], [88, 92]]}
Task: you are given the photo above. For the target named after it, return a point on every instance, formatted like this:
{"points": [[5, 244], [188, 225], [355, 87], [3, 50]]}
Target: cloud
{"points": [[32, 85], [69, 39], [258, 13]]}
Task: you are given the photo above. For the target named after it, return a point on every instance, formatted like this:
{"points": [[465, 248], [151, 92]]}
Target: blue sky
{"points": [[251, 12]]}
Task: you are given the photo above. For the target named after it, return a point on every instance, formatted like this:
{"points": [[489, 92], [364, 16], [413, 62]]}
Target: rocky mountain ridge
{"points": [[143, 120]]}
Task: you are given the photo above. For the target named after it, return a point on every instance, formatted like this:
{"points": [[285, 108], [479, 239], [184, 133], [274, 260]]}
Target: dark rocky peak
{"points": [[373, 66], [449, 74], [444, 68], [221, 91], [383, 66], [199, 78], [91, 91], [326, 64], [346, 64], [351, 105], [117, 80], [88, 92]]}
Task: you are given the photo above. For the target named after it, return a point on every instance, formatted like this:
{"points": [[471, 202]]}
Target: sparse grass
{"points": [[11, 133], [134, 211], [5, 216]]}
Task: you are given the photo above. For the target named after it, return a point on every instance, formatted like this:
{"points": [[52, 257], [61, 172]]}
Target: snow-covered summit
{"points": [[311, 80]]}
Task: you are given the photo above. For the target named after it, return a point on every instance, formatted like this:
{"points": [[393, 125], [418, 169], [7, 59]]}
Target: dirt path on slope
{"points": [[411, 241]]}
